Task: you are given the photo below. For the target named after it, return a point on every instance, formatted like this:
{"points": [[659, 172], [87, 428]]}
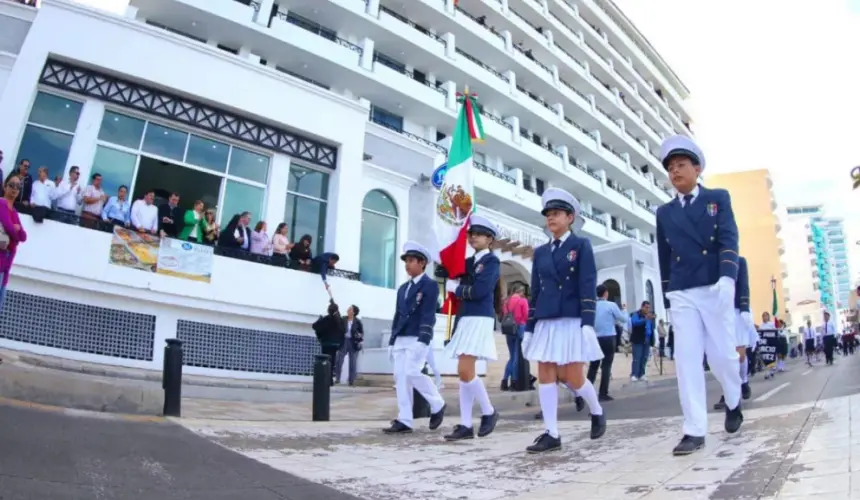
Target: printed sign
{"points": [[167, 256], [767, 346], [438, 177]]}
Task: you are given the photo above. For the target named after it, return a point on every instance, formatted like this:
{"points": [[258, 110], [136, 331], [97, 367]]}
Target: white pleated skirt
{"points": [[473, 337], [561, 341]]}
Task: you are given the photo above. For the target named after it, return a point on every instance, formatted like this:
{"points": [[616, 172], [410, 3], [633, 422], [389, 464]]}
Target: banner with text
{"points": [[167, 256]]}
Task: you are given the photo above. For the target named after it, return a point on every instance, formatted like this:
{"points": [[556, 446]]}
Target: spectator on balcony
{"points": [[13, 231], [237, 234], [40, 197], [23, 173], [68, 193], [300, 254], [117, 211], [94, 199], [194, 224], [281, 244], [211, 228], [144, 215], [171, 217], [261, 244], [324, 262]]}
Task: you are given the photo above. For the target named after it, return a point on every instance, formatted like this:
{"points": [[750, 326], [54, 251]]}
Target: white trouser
{"points": [[409, 357], [703, 325]]}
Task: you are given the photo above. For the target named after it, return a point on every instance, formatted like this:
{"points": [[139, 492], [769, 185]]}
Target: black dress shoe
{"points": [[488, 424], [505, 386], [603, 398], [460, 433], [436, 418], [746, 392], [545, 443], [539, 415], [598, 426], [398, 427], [580, 403], [689, 445], [721, 404], [734, 419]]}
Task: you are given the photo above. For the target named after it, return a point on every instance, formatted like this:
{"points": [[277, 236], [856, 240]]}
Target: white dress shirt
{"points": [[42, 193], [144, 216], [67, 196], [694, 192], [413, 281], [349, 328], [829, 328]]}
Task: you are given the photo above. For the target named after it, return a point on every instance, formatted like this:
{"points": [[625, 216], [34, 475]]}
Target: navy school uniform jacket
{"points": [[477, 287], [415, 314], [699, 245], [564, 282], [742, 287], [320, 263]]}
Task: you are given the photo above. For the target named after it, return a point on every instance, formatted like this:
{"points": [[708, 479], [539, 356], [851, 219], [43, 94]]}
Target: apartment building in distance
{"points": [[756, 212]]}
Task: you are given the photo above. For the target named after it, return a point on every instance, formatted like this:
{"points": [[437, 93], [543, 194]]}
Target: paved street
{"points": [[798, 440]]}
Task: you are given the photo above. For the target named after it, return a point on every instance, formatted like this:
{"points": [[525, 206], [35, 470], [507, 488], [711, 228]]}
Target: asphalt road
{"points": [[52, 455], [798, 384]]}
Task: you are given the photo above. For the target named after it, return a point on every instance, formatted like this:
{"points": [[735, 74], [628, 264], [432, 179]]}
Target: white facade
{"points": [[314, 79]]}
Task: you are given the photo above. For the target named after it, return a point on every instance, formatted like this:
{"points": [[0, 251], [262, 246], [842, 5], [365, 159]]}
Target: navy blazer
{"points": [[321, 263], [415, 314], [477, 287], [698, 245], [564, 282], [742, 286]]}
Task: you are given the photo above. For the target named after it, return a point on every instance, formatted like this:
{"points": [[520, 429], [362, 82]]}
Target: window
{"points": [[240, 197], [164, 141], [116, 168], [207, 153], [305, 213], [649, 293], [49, 132], [386, 118], [378, 257], [249, 165], [122, 130]]}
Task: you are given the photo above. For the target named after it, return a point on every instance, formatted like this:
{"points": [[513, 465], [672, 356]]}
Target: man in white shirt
{"points": [[68, 193], [828, 336], [43, 189], [809, 342], [144, 215]]}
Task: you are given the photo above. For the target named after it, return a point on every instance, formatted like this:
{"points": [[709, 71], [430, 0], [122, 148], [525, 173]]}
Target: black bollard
{"points": [[171, 378], [322, 388], [420, 406]]}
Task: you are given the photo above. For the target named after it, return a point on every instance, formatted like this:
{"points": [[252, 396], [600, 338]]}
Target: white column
{"points": [[512, 82], [367, 48], [373, 8], [451, 94], [276, 202], [449, 7], [514, 122], [263, 14], [450, 45], [343, 220], [83, 149]]}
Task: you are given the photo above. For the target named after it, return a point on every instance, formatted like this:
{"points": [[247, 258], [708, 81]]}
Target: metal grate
{"points": [[241, 349], [77, 327]]}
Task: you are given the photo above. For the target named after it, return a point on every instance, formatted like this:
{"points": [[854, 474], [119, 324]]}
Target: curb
{"points": [[17, 403]]}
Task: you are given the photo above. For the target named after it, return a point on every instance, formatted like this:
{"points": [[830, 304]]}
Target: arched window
{"points": [[614, 290], [378, 258], [649, 293]]}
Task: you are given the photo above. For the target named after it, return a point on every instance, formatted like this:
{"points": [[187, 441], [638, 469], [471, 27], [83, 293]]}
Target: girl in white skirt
{"points": [[479, 296], [560, 333]]}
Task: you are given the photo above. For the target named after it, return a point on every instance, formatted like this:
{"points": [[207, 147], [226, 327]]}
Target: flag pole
{"points": [[448, 327]]}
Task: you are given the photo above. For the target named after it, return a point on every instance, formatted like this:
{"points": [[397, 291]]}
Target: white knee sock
{"points": [[467, 399], [548, 395], [588, 393], [745, 370], [480, 393]]}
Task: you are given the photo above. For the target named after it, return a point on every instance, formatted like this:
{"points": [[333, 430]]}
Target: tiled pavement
{"points": [[785, 452]]}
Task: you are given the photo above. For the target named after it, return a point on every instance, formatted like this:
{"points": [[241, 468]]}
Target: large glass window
{"points": [[378, 257], [307, 195], [164, 141], [122, 130], [249, 165], [116, 168], [207, 153], [49, 132], [240, 197]]}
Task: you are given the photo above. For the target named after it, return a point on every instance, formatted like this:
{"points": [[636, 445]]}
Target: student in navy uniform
{"points": [[479, 292], [743, 320], [560, 333], [697, 246], [411, 333]]}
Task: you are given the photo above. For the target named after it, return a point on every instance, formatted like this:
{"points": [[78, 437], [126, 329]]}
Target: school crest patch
{"points": [[418, 296], [479, 268], [712, 209], [571, 256]]}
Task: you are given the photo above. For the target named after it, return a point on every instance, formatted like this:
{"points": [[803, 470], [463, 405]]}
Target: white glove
{"points": [[451, 285], [725, 288], [747, 317], [391, 353], [588, 331]]}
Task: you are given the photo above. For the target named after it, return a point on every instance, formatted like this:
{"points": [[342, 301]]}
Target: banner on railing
{"points": [[167, 256]]}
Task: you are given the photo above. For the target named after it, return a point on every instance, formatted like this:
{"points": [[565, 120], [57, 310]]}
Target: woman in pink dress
{"points": [[11, 224]]}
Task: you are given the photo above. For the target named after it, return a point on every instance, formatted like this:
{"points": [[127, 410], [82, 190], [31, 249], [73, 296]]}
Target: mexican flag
{"points": [[455, 201], [775, 305]]}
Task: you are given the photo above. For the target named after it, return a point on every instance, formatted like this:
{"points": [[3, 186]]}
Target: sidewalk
{"points": [[789, 452]]}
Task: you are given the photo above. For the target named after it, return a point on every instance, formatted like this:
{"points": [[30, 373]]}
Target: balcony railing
{"points": [[417, 27], [383, 123], [232, 253], [317, 29], [479, 63], [495, 173]]}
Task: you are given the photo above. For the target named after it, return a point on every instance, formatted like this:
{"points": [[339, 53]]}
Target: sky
{"points": [[773, 85]]}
